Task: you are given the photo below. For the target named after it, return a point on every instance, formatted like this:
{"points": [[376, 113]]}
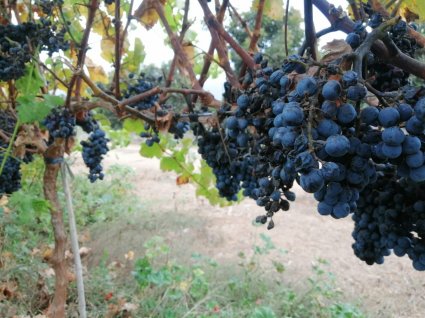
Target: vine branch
{"points": [[82, 52], [379, 48], [117, 25], [255, 35], [364, 48], [212, 21], [310, 33]]}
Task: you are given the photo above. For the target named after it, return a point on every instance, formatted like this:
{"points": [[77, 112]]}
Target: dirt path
{"points": [[393, 289]]}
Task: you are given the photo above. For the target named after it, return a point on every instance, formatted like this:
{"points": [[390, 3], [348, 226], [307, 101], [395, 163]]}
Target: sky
{"points": [[158, 53]]}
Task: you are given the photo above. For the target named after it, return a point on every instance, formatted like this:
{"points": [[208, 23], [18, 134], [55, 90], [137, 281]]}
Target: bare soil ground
{"points": [[190, 224]]}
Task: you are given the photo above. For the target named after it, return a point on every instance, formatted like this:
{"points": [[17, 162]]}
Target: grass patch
{"points": [[157, 283]]}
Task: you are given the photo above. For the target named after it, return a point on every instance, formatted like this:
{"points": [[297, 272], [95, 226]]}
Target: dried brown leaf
{"points": [[164, 123], [29, 136], [335, 50], [182, 180]]}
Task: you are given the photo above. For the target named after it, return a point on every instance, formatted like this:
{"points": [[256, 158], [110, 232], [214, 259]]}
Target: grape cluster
{"points": [[180, 129], [388, 77], [15, 50], [138, 85], [60, 123], [319, 131], [93, 150], [7, 122], [219, 157], [95, 147], [391, 216], [10, 178]]}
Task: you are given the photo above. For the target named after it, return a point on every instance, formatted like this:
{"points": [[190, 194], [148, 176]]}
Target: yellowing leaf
{"points": [[147, 14], [97, 73], [108, 48], [102, 24], [272, 8], [23, 11], [135, 58], [411, 10], [111, 8], [189, 49]]}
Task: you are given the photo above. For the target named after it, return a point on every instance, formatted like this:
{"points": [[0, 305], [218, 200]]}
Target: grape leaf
{"points": [[272, 8], [151, 152], [107, 45], [30, 110], [146, 13], [97, 73], [133, 125], [170, 164], [135, 58], [52, 100], [31, 82], [416, 6]]}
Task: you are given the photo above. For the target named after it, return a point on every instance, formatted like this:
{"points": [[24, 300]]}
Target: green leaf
{"points": [[52, 100], [151, 152], [31, 82], [135, 58], [133, 125], [104, 121], [30, 110], [170, 164]]}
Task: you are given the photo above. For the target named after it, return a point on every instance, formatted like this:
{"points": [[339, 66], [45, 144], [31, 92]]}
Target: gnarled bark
{"points": [[53, 158]]}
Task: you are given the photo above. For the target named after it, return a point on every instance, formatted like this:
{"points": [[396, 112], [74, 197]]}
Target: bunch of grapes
{"points": [[7, 122], [16, 42], [388, 77], [10, 177], [95, 147], [317, 129], [138, 85], [391, 216], [60, 123]]}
